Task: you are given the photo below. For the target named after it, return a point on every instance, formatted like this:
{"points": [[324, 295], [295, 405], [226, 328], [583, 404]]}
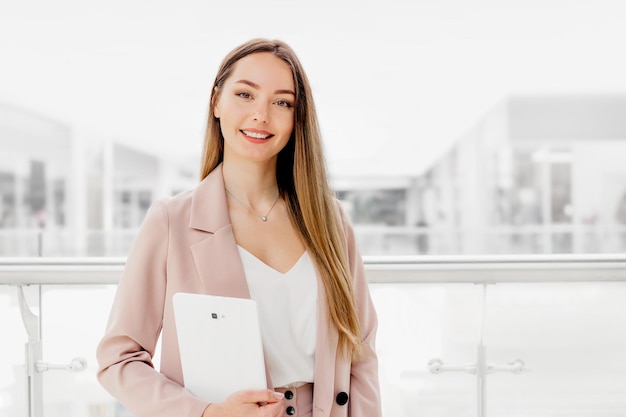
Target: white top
{"points": [[287, 306]]}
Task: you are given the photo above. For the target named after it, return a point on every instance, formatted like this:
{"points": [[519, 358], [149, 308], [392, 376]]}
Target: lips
{"points": [[256, 134]]}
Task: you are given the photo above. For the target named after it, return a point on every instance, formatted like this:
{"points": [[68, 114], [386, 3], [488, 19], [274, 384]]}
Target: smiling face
{"points": [[256, 108]]}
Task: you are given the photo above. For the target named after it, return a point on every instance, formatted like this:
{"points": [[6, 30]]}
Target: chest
{"points": [[275, 242]]}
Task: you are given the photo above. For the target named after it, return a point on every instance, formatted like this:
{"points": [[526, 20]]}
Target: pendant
{"points": [[264, 218]]}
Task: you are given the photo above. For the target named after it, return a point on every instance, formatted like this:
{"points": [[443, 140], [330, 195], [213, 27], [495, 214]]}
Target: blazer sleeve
{"points": [[125, 352], [364, 397]]}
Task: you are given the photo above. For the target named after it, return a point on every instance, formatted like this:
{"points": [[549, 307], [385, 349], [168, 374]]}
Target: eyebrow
{"points": [[254, 85]]}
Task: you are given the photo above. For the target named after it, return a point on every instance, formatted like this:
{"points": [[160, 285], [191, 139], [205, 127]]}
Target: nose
{"points": [[261, 114]]}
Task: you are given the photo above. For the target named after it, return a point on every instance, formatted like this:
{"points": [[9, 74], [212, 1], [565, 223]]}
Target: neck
{"points": [[253, 183]]}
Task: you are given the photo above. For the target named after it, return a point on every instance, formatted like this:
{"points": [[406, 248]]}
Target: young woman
{"points": [[262, 224]]}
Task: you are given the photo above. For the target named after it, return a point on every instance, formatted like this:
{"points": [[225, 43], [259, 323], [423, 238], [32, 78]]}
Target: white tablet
{"points": [[221, 350]]}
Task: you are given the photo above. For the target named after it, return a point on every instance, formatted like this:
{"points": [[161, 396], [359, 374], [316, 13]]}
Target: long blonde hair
{"points": [[303, 183]]}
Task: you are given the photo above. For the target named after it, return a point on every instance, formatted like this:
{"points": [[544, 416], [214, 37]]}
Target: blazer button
{"points": [[290, 411], [288, 395], [342, 398]]}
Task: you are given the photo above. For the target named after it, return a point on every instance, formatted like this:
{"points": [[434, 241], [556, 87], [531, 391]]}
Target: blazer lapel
{"points": [[216, 257]]}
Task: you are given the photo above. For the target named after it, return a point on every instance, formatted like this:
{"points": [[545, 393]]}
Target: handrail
{"points": [[484, 269]]}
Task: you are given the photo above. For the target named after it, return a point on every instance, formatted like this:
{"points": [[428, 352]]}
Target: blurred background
{"points": [[451, 127]]}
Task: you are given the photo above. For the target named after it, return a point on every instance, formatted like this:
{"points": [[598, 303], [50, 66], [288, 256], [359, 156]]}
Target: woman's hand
{"points": [[263, 403]]}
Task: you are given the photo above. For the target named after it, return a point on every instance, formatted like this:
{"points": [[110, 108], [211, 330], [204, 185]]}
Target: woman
{"points": [[264, 224]]}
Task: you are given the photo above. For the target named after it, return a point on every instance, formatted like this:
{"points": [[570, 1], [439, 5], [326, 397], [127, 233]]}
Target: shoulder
{"points": [[202, 207], [163, 209], [208, 188], [341, 210], [344, 217], [346, 224], [178, 202]]}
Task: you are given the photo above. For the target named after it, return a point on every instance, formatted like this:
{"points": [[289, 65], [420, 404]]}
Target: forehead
{"points": [[264, 69]]}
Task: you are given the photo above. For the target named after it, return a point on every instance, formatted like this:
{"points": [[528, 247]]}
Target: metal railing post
{"points": [[33, 354]]}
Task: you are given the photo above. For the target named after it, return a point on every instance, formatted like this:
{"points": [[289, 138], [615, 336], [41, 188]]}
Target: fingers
{"points": [[266, 396], [261, 403], [273, 405], [276, 395]]}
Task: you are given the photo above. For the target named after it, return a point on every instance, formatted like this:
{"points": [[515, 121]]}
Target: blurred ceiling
{"points": [[395, 82]]}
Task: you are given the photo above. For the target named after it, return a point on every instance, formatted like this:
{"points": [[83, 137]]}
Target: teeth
{"points": [[255, 135]]}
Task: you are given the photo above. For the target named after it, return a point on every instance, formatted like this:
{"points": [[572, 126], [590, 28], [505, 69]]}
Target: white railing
{"points": [[400, 269], [482, 270]]}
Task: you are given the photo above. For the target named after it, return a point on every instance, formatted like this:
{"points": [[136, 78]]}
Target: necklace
{"points": [[263, 218]]}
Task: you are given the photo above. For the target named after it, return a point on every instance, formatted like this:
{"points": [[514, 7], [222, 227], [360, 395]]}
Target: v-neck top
{"points": [[287, 306]]}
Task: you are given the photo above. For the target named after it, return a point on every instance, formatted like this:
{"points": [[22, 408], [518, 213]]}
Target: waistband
{"points": [[298, 401]]}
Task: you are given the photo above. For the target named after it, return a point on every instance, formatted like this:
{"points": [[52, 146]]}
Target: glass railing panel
{"points": [[73, 323], [419, 322], [572, 336]]}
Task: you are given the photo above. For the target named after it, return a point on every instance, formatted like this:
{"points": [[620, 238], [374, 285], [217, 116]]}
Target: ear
{"points": [[215, 104]]}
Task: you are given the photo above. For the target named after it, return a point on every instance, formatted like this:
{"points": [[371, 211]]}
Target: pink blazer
{"points": [[186, 244]]}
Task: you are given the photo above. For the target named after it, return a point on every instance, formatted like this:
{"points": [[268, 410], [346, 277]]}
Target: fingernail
{"points": [[279, 395]]}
